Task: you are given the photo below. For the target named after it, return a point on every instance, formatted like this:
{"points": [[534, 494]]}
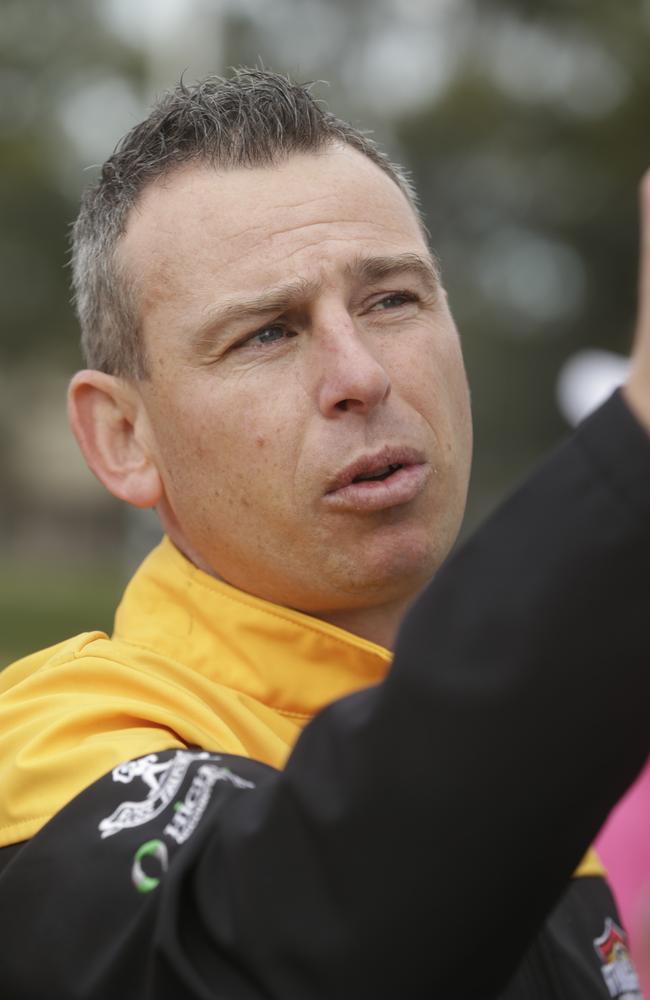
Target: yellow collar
{"points": [[282, 658]]}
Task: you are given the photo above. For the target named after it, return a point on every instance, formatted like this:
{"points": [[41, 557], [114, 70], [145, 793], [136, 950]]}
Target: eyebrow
{"points": [[375, 268], [281, 298]]}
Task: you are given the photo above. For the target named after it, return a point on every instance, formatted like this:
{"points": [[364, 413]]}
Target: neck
{"points": [[376, 624]]}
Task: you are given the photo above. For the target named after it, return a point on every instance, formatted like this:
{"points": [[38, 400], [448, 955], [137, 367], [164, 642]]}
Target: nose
{"points": [[349, 376]]}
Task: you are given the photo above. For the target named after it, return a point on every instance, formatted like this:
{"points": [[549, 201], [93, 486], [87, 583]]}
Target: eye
{"points": [[395, 300], [268, 335]]}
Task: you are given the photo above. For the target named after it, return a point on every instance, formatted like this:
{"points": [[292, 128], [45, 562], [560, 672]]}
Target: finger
{"points": [[637, 387], [643, 330]]}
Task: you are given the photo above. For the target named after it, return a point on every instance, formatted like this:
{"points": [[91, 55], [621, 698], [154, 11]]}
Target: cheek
{"points": [[454, 383], [434, 375], [219, 455], [185, 430], [438, 390], [455, 418]]}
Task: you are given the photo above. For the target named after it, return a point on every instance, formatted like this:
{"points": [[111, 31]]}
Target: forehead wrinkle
{"points": [[315, 223]]}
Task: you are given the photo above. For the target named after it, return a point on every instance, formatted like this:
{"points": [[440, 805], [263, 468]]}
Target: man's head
{"points": [[254, 119], [264, 324]]}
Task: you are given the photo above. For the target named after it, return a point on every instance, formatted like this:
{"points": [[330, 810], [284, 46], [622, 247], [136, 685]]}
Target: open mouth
{"points": [[379, 480], [384, 473], [379, 485]]}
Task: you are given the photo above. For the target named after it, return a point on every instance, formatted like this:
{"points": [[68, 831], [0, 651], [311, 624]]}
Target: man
{"points": [[272, 364]]}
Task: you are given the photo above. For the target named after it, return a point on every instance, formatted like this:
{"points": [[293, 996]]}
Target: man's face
{"points": [[298, 339]]}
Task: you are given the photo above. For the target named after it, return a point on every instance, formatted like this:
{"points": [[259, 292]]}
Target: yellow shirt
{"points": [[192, 662]]}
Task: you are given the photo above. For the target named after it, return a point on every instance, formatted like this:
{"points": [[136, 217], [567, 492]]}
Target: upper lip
{"points": [[373, 463]]}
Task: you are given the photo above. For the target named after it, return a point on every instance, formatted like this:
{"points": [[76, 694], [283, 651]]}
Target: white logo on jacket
{"points": [[162, 778]]}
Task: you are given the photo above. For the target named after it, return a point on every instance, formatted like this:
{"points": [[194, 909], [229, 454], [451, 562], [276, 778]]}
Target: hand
{"points": [[637, 387]]}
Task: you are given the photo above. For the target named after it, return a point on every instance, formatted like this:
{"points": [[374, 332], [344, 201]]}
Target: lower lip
{"points": [[380, 494]]}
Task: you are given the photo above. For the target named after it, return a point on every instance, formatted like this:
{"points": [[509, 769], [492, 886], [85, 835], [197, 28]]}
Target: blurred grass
{"points": [[41, 605]]}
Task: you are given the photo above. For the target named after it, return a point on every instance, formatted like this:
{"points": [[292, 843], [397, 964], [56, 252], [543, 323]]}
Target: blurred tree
{"points": [[48, 53]]}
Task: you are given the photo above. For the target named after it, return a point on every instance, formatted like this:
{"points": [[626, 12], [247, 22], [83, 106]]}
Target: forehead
{"points": [[202, 233]]}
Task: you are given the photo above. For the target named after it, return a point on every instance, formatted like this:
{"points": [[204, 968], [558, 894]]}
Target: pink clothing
{"points": [[624, 847]]}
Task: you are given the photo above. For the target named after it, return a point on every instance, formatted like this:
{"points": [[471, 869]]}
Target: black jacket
{"points": [[360, 870]]}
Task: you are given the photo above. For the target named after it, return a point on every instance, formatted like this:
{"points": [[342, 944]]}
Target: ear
{"points": [[107, 418]]}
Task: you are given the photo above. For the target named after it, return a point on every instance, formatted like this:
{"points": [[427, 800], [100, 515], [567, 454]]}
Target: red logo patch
{"points": [[615, 963]]}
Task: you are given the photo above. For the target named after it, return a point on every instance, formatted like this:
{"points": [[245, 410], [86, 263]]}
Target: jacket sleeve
{"points": [[581, 952], [421, 829]]}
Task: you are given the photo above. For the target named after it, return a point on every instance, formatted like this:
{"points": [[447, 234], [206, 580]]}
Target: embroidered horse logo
{"points": [[162, 778]]}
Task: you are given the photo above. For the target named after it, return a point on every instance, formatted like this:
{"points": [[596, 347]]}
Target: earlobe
{"points": [[103, 411]]}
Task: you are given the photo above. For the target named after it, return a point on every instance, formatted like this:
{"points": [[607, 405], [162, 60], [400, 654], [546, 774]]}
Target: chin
{"points": [[391, 573]]}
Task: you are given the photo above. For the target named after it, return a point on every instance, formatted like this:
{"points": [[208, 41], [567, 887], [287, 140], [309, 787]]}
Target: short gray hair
{"points": [[254, 118]]}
